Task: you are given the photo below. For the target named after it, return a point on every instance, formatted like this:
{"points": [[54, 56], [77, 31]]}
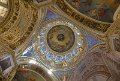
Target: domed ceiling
{"points": [[59, 40], [60, 44]]}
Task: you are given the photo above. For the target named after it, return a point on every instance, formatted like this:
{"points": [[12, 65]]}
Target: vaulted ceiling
{"points": [[59, 40]]}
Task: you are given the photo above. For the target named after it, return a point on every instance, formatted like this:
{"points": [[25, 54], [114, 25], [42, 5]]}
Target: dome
{"points": [[60, 44], [59, 40]]}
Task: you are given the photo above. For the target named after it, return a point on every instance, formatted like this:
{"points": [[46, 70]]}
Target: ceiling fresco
{"points": [[102, 10], [46, 53], [59, 40], [58, 43], [50, 15]]}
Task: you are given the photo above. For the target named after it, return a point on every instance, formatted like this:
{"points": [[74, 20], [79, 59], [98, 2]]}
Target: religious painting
{"points": [[27, 75], [6, 64], [102, 10]]}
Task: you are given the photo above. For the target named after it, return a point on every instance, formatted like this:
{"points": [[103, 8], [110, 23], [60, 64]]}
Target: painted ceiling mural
{"points": [[59, 43], [102, 10], [49, 44], [31, 52]]}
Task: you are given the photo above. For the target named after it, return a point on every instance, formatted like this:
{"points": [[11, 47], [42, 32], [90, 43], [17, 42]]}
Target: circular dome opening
{"points": [[101, 10], [60, 38]]}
